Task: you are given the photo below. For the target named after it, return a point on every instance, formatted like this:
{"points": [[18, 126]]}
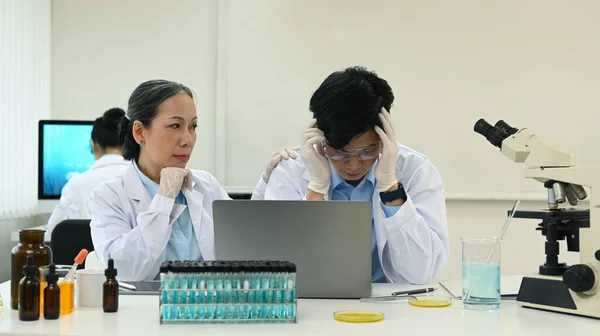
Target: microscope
{"points": [[556, 287]]}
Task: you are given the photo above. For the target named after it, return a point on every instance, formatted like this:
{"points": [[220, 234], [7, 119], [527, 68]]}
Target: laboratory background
{"points": [[254, 64]]}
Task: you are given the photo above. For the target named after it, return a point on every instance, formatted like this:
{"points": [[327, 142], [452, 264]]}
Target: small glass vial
{"points": [[209, 275], [291, 292], [201, 296], [237, 269], [176, 269], [164, 282], [265, 289], [220, 311], [51, 295], [184, 276], [228, 293], [110, 294], [278, 296], [254, 295], [29, 292]]}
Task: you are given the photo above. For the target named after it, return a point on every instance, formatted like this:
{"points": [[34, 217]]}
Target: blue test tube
{"points": [[176, 269], [254, 293], [210, 289], [245, 293], [236, 287], [164, 289], [279, 295], [220, 312], [227, 290], [291, 292], [192, 297], [201, 290], [183, 292], [265, 286]]}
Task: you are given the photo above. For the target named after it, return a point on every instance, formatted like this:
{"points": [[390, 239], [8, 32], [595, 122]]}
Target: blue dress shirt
{"points": [[340, 190]]}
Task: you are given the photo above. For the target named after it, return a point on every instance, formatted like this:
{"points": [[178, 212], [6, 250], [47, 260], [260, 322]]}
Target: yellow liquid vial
{"points": [[67, 297]]}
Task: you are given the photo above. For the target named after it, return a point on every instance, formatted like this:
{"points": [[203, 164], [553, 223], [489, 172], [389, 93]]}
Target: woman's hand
{"points": [[173, 180]]}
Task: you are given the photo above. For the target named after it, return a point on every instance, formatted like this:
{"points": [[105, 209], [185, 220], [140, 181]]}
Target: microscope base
{"points": [[550, 293]]}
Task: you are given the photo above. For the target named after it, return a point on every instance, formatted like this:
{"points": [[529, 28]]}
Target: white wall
{"points": [[449, 63], [102, 50], [532, 62]]}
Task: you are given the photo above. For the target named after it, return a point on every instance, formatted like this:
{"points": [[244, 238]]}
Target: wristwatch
{"points": [[390, 196]]}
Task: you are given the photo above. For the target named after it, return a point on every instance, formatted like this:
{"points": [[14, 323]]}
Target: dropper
{"points": [[79, 259]]}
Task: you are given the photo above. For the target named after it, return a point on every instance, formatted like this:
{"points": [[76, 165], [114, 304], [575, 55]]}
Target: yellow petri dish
{"points": [[358, 316], [430, 301]]}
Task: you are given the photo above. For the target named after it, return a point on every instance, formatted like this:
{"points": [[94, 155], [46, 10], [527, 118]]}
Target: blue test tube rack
{"points": [[197, 292]]}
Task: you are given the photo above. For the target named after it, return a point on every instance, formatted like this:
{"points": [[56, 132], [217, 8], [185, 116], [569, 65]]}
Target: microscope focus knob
{"points": [[579, 278]]}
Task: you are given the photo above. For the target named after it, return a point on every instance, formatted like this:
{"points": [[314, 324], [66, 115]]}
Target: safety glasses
{"points": [[362, 153]]}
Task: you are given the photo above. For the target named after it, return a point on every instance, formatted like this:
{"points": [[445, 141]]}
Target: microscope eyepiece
{"points": [[493, 134], [501, 124]]}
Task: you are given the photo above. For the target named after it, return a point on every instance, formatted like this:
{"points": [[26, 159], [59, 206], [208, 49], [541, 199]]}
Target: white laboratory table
{"points": [[138, 315], [14, 237]]}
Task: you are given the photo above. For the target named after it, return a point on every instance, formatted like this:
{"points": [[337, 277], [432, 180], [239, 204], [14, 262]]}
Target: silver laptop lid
{"points": [[329, 241]]}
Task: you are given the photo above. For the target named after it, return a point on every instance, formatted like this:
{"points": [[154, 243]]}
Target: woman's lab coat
{"points": [[73, 202], [413, 243], [134, 230]]}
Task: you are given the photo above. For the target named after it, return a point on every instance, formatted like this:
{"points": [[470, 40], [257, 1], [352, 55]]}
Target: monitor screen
{"points": [[65, 150]]}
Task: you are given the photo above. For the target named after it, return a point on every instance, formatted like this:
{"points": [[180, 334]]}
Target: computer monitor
{"points": [[64, 151]]}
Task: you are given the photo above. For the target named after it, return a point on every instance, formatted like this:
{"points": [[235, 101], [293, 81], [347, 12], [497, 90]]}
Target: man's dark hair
{"points": [[348, 102]]}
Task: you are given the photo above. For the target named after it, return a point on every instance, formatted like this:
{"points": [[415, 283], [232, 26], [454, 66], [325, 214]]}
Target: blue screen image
{"points": [[67, 151]]}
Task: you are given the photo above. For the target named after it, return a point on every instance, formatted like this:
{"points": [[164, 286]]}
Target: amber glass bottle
{"points": [[29, 292], [31, 242]]}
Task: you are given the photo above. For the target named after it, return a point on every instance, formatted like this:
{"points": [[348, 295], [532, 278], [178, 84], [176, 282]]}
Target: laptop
{"points": [[329, 241]]}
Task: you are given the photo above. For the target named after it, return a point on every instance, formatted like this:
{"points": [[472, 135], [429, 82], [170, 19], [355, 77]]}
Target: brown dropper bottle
{"points": [[29, 292], [111, 289], [52, 295]]}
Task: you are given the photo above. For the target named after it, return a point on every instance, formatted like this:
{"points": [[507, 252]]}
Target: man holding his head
{"points": [[350, 152]]}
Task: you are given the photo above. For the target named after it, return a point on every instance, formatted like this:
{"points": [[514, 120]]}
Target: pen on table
{"points": [[127, 286], [413, 292]]}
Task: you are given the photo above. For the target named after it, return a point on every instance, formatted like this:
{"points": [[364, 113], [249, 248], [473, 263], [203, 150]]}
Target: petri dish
{"points": [[430, 301], [357, 316]]}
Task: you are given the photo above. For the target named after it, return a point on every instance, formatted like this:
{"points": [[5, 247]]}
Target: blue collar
{"points": [[336, 179], [150, 185]]}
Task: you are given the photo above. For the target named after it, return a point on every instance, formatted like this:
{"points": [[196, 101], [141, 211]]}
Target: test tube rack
{"points": [[198, 292]]}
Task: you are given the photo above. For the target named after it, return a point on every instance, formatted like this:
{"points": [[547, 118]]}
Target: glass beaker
{"points": [[67, 289], [481, 273]]}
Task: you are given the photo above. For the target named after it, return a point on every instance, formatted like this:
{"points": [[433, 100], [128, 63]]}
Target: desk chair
{"points": [[68, 238]]}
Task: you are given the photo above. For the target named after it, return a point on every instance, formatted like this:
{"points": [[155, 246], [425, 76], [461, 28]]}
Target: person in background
{"points": [[350, 152], [159, 209], [109, 164]]}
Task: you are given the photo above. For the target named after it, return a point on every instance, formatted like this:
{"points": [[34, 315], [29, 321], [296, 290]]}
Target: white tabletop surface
{"points": [[138, 315]]}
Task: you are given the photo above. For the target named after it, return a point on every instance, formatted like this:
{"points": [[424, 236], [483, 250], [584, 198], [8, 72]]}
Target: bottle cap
{"points": [[30, 269], [164, 267], [292, 268], [111, 271], [217, 268], [52, 277]]}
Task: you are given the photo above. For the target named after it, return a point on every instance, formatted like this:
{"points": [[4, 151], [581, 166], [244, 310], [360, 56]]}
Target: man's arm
{"points": [[417, 234]]}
